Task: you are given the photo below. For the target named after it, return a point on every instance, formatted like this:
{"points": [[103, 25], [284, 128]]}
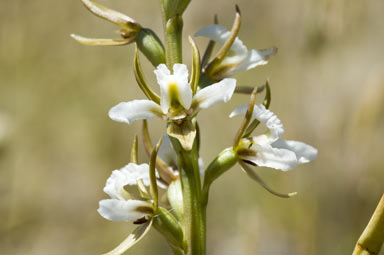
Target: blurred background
{"points": [[58, 146]]}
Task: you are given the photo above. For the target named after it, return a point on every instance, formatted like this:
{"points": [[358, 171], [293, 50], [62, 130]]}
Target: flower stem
{"points": [[173, 26], [194, 212]]}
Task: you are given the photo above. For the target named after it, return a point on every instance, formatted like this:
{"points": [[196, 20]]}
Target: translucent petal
{"points": [[265, 116], [267, 156], [167, 153], [220, 34], [120, 210], [128, 175], [239, 110], [135, 110], [220, 92], [255, 58], [304, 152], [132, 239]]}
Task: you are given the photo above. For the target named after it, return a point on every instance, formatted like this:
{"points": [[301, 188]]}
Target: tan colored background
{"points": [[58, 146]]}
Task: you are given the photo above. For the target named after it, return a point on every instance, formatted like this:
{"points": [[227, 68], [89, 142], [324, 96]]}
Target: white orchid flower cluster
{"points": [[175, 165]]}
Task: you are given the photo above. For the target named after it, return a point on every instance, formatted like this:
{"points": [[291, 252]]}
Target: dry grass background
{"points": [[58, 146]]}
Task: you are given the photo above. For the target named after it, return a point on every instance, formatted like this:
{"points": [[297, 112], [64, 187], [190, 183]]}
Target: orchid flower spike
{"points": [[268, 149], [238, 58], [176, 100]]}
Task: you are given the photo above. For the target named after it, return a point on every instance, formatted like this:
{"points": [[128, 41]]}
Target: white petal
{"points": [[269, 119], [304, 152], [119, 210], [134, 110], [239, 110], [180, 73], [163, 78], [265, 117], [220, 35], [178, 82], [132, 239], [128, 175], [255, 58], [267, 156], [220, 92]]}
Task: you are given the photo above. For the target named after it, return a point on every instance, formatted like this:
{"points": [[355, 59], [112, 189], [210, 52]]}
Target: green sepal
{"points": [[123, 21], [134, 155], [151, 46], [223, 51], [254, 176], [266, 103], [195, 66], [247, 118], [141, 80], [184, 132], [222, 163], [102, 41], [169, 227], [152, 174]]}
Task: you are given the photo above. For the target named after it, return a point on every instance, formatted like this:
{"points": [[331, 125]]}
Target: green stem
{"points": [[173, 27], [194, 213]]}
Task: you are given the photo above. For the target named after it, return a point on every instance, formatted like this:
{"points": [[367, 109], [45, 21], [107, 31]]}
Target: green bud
{"points": [[151, 46], [169, 227]]}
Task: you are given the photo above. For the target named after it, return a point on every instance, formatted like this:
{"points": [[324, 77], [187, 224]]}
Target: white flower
{"points": [[120, 207], [268, 149], [239, 58], [176, 100]]}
